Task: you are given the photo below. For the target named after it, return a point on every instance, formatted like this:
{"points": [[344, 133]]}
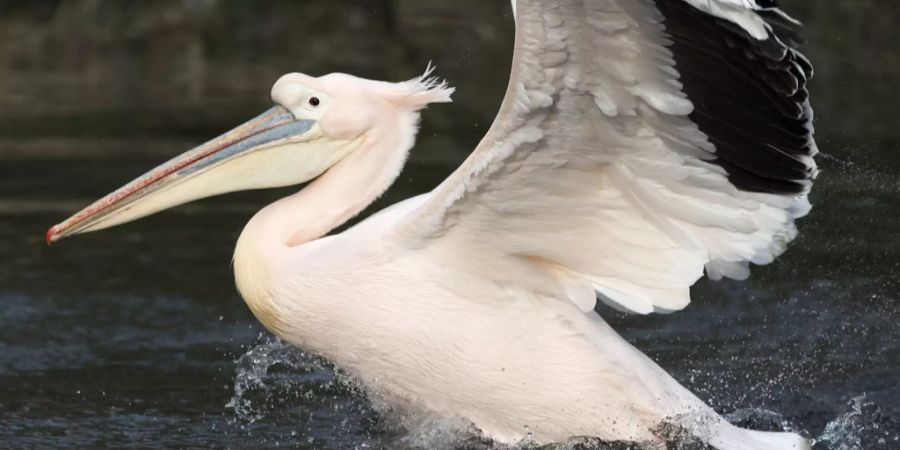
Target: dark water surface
{"points": [[135, 337]]}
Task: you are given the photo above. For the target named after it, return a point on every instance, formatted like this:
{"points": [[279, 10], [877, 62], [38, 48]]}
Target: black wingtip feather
{"points": [[749, 95]]}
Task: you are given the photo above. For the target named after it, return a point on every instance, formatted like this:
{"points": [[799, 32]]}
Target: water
{"points": [[135, 337]]}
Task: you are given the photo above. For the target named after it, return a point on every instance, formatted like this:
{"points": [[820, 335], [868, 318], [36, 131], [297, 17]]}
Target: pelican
{"points": [[640, 144]]}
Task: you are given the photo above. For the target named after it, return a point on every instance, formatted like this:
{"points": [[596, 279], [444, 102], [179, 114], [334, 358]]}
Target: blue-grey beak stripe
{"points": [[278, 132]]}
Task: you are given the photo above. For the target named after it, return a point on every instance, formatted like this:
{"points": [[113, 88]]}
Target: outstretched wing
{"points": [[639, 142]]}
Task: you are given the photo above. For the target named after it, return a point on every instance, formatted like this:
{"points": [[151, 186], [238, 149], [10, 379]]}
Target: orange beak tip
{"points": [[50, 237]]}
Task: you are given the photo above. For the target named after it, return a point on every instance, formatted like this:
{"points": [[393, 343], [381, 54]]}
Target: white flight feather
{"points": [[592, 168]]}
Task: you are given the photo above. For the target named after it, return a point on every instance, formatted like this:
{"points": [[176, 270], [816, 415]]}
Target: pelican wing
{"points": [[639, 142]]}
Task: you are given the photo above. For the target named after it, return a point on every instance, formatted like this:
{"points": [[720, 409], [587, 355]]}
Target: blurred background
{"points": [[136, 336]]}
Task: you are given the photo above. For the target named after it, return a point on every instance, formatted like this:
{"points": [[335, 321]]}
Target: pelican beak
{"points": [[272, 150]]}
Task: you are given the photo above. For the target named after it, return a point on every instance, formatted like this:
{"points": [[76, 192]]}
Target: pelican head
{"points": [[316, 122]]}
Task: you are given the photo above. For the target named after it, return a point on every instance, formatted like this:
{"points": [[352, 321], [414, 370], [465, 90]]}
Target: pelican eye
{"points": [[314, 101]]}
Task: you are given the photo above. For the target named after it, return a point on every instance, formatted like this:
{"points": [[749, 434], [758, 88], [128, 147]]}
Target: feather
{"points": [[639, 144]]}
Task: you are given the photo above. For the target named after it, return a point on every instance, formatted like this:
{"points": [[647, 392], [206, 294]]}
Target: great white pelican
{"points": [[640, 143]]}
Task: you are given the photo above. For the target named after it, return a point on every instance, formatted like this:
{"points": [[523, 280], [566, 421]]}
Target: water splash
{"points": [[420, 430], [276, 382], [275, 375], [760, 419], [861, 426]]}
